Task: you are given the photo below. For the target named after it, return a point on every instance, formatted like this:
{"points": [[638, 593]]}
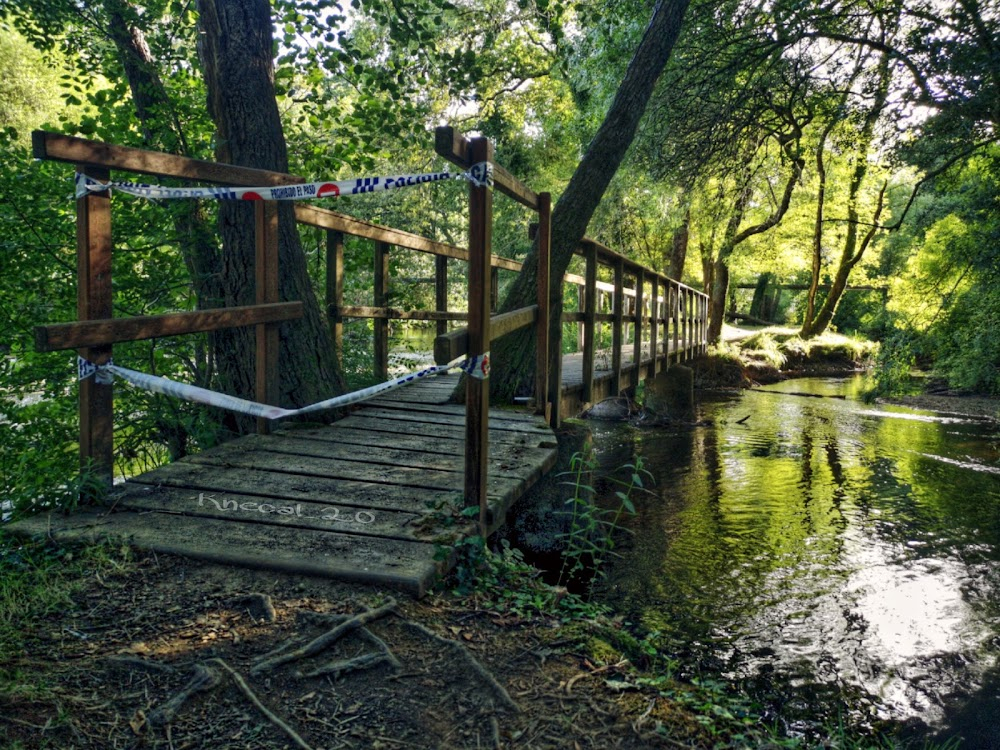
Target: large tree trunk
{"points": [[513, 357], [236, 48], [679, 248]]}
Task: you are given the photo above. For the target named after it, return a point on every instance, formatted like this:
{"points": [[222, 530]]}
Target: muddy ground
{"points": [[152, 656]]}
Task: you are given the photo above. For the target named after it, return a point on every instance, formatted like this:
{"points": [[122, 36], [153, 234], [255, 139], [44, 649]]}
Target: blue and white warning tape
{"points": [[480, 175], [476, 367]]}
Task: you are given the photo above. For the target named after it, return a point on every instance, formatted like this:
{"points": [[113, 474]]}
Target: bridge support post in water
{"points": [[671, 393]]}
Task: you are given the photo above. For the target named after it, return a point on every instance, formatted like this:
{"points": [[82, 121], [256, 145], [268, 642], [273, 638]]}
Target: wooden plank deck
{"points": [[573, 403], [362, 499]]}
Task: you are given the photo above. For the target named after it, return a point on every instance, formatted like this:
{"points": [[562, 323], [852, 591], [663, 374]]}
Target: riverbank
{"points": [[979, 407], [105, 648], [748, 357]]}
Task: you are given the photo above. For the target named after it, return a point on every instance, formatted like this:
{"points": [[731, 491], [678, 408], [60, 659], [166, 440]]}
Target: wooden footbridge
{"points": [[375, 496]]}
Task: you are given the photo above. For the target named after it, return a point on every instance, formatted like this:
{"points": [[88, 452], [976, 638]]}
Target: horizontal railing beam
{"points": [[804, 287], [67, 148], [87, 333], [454, 147], [455, 344], [392, 313], [326, 219]]}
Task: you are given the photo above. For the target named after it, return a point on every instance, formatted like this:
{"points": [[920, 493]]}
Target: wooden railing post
{"points": [[381, 325], [266, 273], [494, 288], [686, 322], [543, 403], [640, 282], [335, 290], [441, 291], [654, 323], [589, 311], [675, 302], [93, 302], [477, 400], [704, 325], [617, 339]]}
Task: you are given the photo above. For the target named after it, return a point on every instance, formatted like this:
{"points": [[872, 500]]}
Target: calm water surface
{"points": [[823, 552]]}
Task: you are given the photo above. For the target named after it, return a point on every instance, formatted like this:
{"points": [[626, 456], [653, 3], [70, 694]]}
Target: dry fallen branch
{"points": [[203, 679], [245, 689], [498, 690], [274, 659], [576, 678]]}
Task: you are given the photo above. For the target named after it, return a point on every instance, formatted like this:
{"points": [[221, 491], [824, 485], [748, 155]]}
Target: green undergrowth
{"points": [[38, 580]]}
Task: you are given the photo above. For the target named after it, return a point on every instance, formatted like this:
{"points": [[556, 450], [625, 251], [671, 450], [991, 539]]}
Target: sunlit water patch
{"points": [[816, 549]]}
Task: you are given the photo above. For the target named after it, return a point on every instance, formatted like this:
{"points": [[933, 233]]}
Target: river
{"points": [[829, 556]]}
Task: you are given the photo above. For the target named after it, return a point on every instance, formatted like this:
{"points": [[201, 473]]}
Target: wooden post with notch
{"points": [[589, 312], [93, 254], [381, 325], [477, 399], [543, 404], [335, 290], [266, 273]]}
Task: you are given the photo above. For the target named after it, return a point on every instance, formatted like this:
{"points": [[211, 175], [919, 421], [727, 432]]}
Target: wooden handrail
{"points": [[80, 151], [455, 344], [58, 336]]}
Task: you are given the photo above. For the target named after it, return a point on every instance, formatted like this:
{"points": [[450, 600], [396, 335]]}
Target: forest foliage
{"points": [[829, 145]]}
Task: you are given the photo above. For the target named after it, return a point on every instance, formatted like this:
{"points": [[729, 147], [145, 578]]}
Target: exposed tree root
{"points": [[274, 659], [381, 646], [252, 697], [498, 690], [203, 679], [337, 668], [138, 663]]}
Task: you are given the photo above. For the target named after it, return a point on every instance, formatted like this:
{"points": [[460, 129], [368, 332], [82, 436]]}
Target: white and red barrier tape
{"points": [[480, 175], [476, 367]]}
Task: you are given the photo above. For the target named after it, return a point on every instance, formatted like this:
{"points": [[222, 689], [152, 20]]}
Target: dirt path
{"points": [[153, 657]]}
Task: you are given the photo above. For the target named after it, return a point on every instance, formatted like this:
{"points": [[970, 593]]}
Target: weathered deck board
{"points": [[372, 559]]}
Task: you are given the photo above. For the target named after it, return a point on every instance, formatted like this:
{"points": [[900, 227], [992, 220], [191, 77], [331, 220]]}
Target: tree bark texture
{"points": [[679, 247], [513, 356], [235, 47]]}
